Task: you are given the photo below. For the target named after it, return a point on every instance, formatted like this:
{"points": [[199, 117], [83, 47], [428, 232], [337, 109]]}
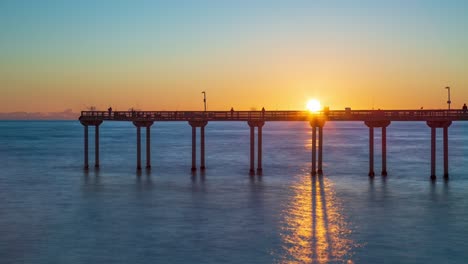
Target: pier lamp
{"points": [[448, 100], [204, 99]]}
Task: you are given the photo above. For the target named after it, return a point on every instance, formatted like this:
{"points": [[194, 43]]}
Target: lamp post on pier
{"points": [[448, 100], [204, 99]]}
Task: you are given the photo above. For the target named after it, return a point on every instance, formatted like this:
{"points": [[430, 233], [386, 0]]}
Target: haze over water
{"points": [[54, 212]]}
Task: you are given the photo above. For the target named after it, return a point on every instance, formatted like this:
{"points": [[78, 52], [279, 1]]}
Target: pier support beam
{"points": [[194, 148], [446, 174], [314, 151], [384, 151], [201, 124], [138, 148], [371, 125], [434, 125], [317, 125], [96, 124], [371, 152], [148, 147], [433, 152], [86, 163], [259, 124], [139, 125], [260, 147], [202, 147], [252, 150], [320, 150], [96, 147]]}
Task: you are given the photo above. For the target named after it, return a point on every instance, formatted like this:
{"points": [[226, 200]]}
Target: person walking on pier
{"points": [[465, 108], [110, 111], [232, 112], [263, 111]]}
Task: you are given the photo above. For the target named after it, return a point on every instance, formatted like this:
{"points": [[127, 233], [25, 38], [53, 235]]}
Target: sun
{"points": [[313, 105]]}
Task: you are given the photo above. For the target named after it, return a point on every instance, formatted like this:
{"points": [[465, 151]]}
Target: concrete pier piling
{"points": [[320, 150], [86, 124], [147, 125], [446, 173], [259, 149], [138, 148], [371, 125], [384, 151], [148, 147], [317, 126], [202, 147], [314, 151], [194, 148], [201, 124], [86, 162], [252, 150], [434, 125], [371, 152], [433, 152], [259, 125]]}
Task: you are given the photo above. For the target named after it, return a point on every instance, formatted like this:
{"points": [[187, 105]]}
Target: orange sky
{"points": [[245, 58]]}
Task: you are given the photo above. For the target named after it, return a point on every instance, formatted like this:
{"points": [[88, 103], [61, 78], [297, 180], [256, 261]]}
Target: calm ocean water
{"points": [[52, 211]]}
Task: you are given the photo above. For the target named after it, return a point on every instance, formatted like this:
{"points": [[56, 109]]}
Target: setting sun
{"points": [[313, 105]]}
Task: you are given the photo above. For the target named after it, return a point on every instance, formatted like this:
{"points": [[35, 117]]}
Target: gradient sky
{"points": [[160, 55]]}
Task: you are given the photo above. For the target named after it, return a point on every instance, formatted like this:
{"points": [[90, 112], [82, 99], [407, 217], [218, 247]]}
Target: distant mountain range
{"points": [[67, 114]]}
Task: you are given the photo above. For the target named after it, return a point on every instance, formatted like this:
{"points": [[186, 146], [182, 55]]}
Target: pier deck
{"points": [[332, 115]]}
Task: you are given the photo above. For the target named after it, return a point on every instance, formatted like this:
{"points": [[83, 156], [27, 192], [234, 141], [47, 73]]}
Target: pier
{"points": [[257, 119]]}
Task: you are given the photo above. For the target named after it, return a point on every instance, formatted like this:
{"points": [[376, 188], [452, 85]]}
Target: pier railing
{"points": [[332, 115]]}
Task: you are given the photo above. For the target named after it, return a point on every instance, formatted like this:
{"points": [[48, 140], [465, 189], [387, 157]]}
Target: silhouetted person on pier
{"points": [[232, 112], [465, 108], [263, 111], [110, 111]]}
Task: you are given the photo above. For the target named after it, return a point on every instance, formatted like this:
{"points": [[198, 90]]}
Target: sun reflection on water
{"points": [[314, 230]]}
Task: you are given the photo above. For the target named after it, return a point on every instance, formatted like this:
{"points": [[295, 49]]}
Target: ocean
{"points": [[53, 211]]}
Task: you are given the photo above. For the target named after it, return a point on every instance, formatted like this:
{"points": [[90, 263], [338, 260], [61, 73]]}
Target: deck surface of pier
{"points": [[331, 115]]}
